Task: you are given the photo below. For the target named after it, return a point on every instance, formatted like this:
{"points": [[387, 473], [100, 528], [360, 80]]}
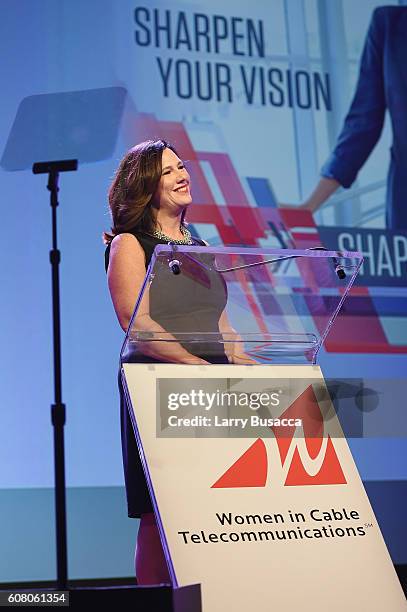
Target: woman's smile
{"points": [[184, 188]]}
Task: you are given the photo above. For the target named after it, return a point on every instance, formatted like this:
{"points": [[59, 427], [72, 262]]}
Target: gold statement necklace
{"points": [[187, 239]]}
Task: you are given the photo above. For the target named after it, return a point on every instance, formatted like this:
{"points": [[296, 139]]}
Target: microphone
{"points": [[339, 269], [175, 266]]}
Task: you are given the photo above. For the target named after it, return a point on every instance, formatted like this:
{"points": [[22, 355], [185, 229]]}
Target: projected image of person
{"points": [[382, 85], [148, 200]]}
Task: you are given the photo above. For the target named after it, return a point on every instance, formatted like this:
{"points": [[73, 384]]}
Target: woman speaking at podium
{"points": [[148, 200]]}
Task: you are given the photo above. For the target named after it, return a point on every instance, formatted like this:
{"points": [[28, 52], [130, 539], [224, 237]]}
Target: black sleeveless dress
{"points": [[206, 301]]}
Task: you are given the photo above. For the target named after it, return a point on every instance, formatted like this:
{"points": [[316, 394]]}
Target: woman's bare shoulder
{"points": [[126, 250], [125, 242]]}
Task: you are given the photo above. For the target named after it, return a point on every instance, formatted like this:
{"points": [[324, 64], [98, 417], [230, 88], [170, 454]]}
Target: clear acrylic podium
{"points": [[280, 304], [250, 509]]}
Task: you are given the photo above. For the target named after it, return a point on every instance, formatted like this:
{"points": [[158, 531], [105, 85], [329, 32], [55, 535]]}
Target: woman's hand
{"points": [[193, 360], [241, 359]]}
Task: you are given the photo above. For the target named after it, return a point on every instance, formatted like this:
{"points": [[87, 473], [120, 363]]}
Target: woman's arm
{"points": [[324, 189], [234, 348], [126, 273]]}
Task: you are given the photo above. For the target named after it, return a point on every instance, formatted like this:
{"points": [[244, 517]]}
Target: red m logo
{"points": [[309, 460]]}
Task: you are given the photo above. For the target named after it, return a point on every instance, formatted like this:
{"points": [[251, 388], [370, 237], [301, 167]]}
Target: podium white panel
{"points": [[281, 523]]}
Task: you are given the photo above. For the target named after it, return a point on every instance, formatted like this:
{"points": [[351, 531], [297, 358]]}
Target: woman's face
{"points": [[173, 192]]}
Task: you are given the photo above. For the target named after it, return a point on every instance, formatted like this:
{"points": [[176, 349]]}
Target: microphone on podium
{"points": [[339, 269], [174, 264]]}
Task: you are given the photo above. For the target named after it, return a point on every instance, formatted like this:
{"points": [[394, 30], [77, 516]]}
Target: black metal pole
{"points": [[58, 408], [58, 411]]}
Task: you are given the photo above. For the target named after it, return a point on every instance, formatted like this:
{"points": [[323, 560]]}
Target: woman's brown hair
{"points": [[134, 184]]}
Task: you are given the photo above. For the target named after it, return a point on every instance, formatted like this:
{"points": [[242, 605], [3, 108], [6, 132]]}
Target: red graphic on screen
{"points": [[250, 470]]}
